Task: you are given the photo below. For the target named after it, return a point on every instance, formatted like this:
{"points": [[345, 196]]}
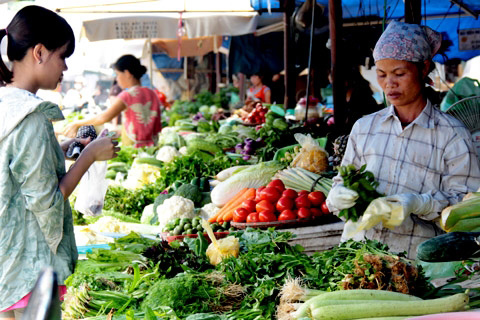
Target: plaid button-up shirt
{"points": [[434, 155]]}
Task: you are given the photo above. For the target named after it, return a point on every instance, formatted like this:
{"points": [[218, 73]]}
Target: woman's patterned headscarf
{"points": [[407, 42]]}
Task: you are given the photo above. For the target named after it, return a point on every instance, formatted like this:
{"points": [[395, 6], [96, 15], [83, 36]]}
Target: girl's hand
{"points": [[71, 130], [65, 144], [102, 149]]}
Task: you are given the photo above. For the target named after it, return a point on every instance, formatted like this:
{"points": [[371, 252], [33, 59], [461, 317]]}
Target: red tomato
{"points": [[324, 208], [287, 215], [304, 213], [252, 217], [240, 214], [284, 203], [257, 194], [303, 192], [303, 202], [267, 216], [270, 194], [316, 212], [316, 198], [264, 205], [290, 193], [277, 184], [249, 205]]}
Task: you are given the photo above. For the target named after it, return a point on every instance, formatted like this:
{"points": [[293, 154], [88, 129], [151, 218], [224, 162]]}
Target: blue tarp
{"points": [[448, 19]]}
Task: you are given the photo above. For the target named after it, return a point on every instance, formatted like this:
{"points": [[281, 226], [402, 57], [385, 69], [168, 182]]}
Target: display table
{"points": [[317, 238]]}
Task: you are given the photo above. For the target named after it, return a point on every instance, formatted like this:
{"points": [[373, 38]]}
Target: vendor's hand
{"points": [[71, 130], [419, 204], [102, 149], [340, 198]]}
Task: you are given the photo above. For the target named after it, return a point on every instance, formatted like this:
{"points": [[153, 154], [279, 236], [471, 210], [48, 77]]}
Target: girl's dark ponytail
{"points": [[5, 74], [33, 25]]}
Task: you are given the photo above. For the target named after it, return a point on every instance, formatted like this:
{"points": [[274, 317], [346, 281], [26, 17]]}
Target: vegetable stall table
{"points": [[317, 238]]}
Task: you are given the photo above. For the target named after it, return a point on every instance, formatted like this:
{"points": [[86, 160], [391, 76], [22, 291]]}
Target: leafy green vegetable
{"points": [[131, 202], [191, 166], [189, 191], [190, 293], [363, 182]]}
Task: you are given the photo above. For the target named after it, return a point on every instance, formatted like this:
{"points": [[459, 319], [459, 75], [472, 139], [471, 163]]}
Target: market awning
{"points": [[164, 19], [188, 47]]}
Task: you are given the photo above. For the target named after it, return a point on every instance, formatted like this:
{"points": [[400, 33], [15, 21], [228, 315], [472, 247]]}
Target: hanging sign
{"points": [[469, 39]]}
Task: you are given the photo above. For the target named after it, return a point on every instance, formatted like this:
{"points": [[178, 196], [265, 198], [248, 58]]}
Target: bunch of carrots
{"points": [[226, 212]]}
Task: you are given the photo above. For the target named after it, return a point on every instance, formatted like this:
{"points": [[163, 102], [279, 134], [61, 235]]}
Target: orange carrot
{"points": [[228, 216], [225, 207]]}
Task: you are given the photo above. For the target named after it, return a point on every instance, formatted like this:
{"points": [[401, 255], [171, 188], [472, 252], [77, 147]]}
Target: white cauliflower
{"points": [[183, 150], [175, 207], [147, 214], [167, 153], [140, 175], [208, 211]]}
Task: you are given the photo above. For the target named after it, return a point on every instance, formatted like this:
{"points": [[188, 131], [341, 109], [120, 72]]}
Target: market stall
{"points": [[227, 216]]}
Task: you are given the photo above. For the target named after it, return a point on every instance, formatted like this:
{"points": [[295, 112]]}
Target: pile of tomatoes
{"points": [[275, 203], [257, 115]]}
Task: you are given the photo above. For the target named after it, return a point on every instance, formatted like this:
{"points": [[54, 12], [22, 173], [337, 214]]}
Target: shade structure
{"points": [[187, 47], [166, 25]]}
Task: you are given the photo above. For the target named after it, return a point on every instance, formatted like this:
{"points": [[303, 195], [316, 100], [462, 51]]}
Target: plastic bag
{"points": [[463, 88], [220, 249], [92, 189], [93, 185], [311, 156]]}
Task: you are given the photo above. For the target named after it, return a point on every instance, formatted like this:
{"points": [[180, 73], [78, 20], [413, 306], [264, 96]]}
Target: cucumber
{"points": [[451, 246], [111, 174], [204, 185], [150, 161], [466, 225], [372, 309]]}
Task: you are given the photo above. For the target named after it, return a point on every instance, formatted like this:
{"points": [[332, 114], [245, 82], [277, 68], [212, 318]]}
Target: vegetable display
{"points": [[209, 176]]}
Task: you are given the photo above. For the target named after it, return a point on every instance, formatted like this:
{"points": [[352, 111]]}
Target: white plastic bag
{"points": [[311, 156], [92, 189]]}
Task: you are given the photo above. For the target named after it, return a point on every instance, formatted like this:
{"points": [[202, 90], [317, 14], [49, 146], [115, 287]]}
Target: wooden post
{"points": [[413, 11], [288, 56], [338, 82], [243, 89], [218, 70]]}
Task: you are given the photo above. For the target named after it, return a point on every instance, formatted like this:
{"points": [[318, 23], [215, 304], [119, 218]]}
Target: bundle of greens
{"points": [[191, 166], [363, 182], [368, 265], [191, 293], [131, 202], [266, 260]]}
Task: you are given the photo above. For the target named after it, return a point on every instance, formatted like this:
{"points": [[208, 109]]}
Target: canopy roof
{"points": [[441, 15], [133, 19]]}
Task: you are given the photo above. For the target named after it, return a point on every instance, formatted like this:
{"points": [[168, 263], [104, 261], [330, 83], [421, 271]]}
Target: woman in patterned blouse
{"points": [[140, 106]]}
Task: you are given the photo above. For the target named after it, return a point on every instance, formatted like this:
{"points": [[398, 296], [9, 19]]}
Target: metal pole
{"points": [[338, 83], [413, 11], [288, 56], [309, 67]]}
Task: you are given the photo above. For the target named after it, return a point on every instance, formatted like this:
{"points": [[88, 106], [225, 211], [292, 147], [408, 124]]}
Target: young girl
{"points": [[140, 107], [36, 225]]}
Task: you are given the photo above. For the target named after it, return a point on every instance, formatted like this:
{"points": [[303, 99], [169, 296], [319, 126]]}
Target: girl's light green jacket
{"points": [[36, 225]]}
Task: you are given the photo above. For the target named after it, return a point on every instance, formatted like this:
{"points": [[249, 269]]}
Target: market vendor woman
{"points": [[140, 106], [422, 158]]}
